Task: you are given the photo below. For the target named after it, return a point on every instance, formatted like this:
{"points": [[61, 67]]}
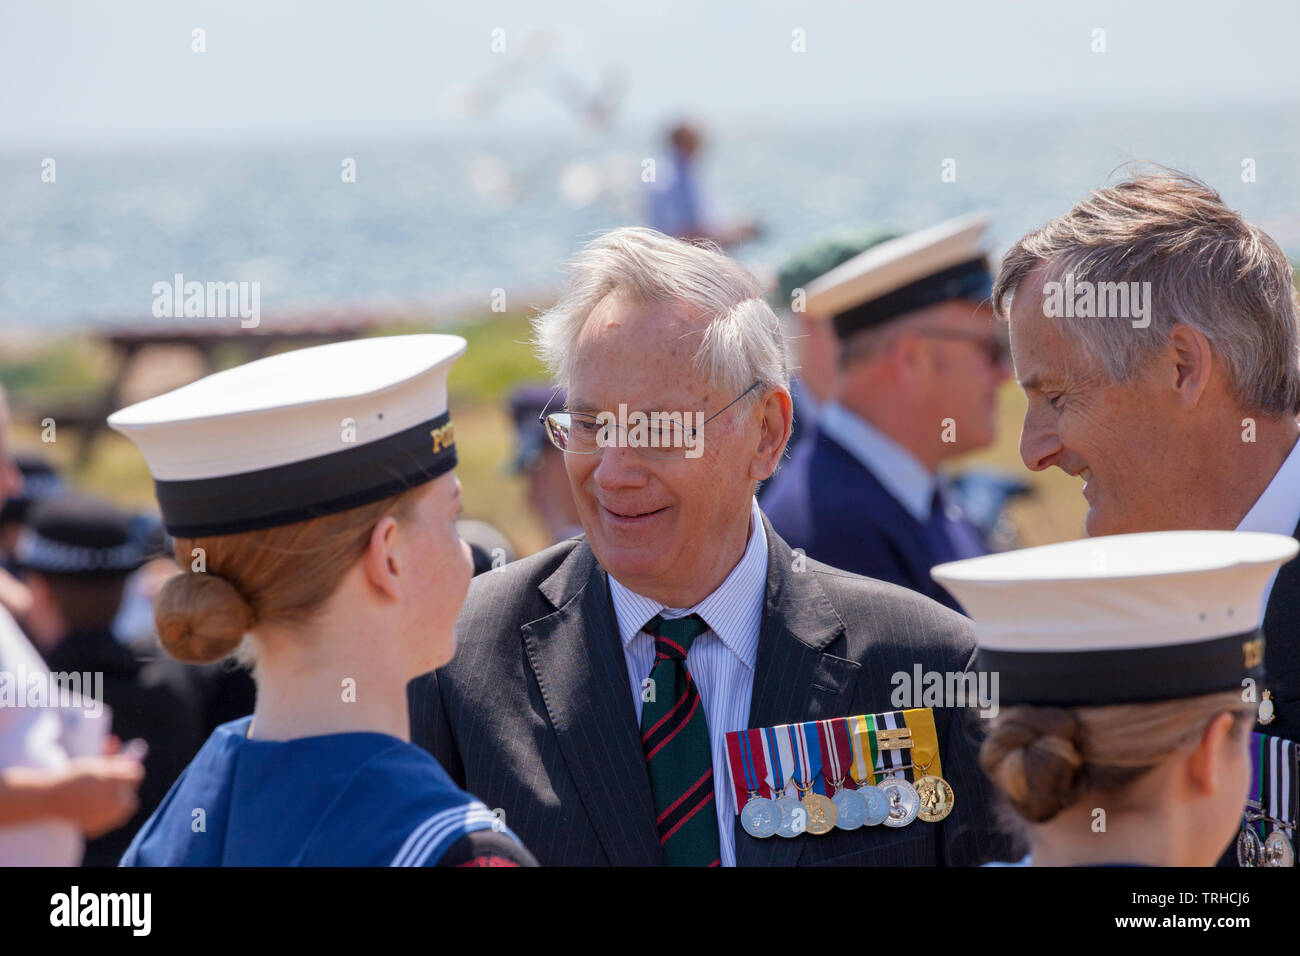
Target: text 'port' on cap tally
{"points": [[1122, 618], [298, 435], [902, 275]]}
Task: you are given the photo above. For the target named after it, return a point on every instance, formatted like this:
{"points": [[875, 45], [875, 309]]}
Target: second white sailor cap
{"points": [[901, 275], [1123, 618], [298, 435]]}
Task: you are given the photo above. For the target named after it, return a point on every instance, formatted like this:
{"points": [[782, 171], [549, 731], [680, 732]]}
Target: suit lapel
{"points": [[794, 678], [576, 655]]}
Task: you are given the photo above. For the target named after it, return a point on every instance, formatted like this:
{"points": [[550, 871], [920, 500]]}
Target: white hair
{"points": [[743, 341]]}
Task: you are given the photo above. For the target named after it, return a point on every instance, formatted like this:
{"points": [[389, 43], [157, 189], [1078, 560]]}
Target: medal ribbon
{"points": [[810, 732], [895, 758], [751, 749], [832, 768], [799, 749], [862, 740], [777, 777], [735, 761], [1274, 795], [1257, 775], [1291, 783], [925, 740]]}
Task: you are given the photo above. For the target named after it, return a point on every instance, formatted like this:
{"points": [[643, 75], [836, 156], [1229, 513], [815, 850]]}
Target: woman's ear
{"points": [[1205, 764], [380, 563]]}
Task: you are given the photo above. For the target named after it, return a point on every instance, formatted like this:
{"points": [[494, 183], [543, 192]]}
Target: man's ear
{"points": [[1204, 766], [776, 421], [379, 561], [1192, 362]]}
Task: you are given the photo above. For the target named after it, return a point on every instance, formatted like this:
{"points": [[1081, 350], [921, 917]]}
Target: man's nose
{"points": [[1039, 443], [620, 467]]}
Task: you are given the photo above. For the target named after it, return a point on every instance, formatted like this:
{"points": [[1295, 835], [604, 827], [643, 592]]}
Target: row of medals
{"points": [[895, 802], [1274, 850]]}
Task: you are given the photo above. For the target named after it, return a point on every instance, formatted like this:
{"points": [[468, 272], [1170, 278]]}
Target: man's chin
{"points": [[628, 563]]}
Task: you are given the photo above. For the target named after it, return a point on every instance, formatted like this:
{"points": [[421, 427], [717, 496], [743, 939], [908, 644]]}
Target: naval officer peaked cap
{"points": [[298, 435], [1126, 618], [901, 275]]}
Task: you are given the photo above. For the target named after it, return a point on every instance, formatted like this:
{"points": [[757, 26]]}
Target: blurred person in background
{"points": [[50, 802], [920, 359], [678, 205], [76, 553], [814, 378], [542, 464]]}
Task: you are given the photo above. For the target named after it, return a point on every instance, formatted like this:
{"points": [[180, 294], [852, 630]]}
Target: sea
{"points": [[439, 228]]}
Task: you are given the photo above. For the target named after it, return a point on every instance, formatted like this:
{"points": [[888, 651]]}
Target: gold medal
{"points": [[821, 813], [936, 796]]}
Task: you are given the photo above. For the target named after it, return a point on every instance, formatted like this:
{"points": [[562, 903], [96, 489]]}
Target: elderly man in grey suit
{"points": [[595, 682]]}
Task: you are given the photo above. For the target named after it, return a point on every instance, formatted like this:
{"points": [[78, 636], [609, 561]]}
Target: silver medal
{"points": [[1250, 851], [877, 804], [850, 809], [794, 818], [904, 801], [760, 817], [1278, 850]]}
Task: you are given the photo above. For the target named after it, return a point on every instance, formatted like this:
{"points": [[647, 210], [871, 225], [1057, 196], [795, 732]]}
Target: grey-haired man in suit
{"points": [[595, 682]]}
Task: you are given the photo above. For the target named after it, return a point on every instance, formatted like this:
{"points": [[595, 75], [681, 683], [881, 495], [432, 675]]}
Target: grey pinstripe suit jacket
{"points": [[534, 714]]}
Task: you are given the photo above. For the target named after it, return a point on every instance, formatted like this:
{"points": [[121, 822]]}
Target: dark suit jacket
{"points": [[1282, 651], [825, 502], [535, 715]]}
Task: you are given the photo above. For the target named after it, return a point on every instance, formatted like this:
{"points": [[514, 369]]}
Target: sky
{"points": [[92, 73]]}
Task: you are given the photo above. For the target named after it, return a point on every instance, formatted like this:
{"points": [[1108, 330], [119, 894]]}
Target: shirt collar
{"points": [[909, 481], [1278, 508], [733, 611]]}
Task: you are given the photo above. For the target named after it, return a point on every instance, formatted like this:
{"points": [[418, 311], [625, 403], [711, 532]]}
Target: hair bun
{"points": [[201, 617], [1035, 758]]}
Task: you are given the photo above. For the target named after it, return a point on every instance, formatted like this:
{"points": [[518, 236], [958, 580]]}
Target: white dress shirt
{"points": [[721, 660], [1278, 508]]}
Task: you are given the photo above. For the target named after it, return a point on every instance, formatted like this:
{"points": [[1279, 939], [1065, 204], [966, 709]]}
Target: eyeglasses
{"points": [[659, 436], [996, 348]]}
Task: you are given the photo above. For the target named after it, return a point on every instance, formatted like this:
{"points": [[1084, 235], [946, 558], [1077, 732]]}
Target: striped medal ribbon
{"points": [[861, 732], [778, 753], [759, 817], [893, 763], [808, 770]]}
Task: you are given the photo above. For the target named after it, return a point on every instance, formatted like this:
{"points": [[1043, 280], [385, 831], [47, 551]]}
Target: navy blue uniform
{"points": [[353, 799], [826, 502]]}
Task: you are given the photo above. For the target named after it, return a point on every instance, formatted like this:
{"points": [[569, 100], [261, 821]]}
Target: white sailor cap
{"points": [[902, 275], [1123, 618], [298, 435]]}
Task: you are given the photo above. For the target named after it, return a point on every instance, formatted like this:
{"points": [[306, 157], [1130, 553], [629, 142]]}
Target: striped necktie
{"points": [[678, 754]]}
